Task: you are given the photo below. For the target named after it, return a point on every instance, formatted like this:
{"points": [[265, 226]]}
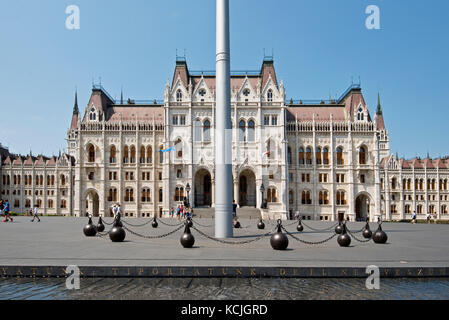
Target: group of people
{"points": [[429, 216], [181, 212], [5, 211]]}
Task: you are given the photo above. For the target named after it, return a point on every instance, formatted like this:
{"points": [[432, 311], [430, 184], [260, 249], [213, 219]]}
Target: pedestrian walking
{"points": [[36, 214], [178, 212], [6, 212], [414, 217], [234, 209], [428, 218]]}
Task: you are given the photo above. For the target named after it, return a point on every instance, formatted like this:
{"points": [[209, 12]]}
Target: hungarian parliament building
{"points": [[326, 159]]}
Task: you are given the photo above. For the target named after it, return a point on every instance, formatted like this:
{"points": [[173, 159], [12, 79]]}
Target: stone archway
{"points": [[247, 189], [203, 189], [93, 203], [362, 207]]}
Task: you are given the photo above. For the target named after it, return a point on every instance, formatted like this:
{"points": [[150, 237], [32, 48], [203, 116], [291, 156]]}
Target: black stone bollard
{"points": [[237, 224], [339, 228], [90, 230], [279, 240], [367, 233], [261, 225], [344, 240], [100, 225], [154, 224], [187, 238], [189, 222], [117, 233], [300, 227], [380, 236]]}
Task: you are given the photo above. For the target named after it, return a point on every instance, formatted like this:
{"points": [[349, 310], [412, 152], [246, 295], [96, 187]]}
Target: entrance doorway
{"points": [[203, 189], [93, 203], [362, 204], [247, 189]]}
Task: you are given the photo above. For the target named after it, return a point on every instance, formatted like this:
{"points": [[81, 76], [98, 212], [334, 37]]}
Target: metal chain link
{"points": [[102, 234], [201, 225], [287, 225], [170, 225], [153, 237], [309, 242], [352, 235], [319, 230], [232, 242], [106, 223], [136, 225]]}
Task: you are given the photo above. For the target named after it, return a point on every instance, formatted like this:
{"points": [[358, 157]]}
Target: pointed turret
{"points": [[379, 116], [75, 107], [76, 112]]}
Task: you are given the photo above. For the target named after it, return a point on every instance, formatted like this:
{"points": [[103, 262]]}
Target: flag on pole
{"points": [[167, 150]]}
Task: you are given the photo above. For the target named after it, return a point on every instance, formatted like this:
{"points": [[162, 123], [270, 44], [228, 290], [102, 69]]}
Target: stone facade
{"points": [[327, 159]]}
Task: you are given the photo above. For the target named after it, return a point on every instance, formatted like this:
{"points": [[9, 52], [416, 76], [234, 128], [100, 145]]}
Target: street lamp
{"points": [[262, 190], [188, 192]]}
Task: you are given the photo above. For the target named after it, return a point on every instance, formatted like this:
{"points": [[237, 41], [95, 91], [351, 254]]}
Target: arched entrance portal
{"points": [[362, 207], [247, 189], [93, 203], [203, 189]]}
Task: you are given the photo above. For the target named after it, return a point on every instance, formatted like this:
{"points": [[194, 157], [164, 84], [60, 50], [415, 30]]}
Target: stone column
{"points": [[223, 134]]}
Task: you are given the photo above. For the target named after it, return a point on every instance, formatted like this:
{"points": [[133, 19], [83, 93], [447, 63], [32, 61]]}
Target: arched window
{"points": [[179, 96], [161, 154], [251, 131], [62, 180], [142, 154], [444, 209], [360, 115], [290, 196], [325, 156], [146, 195], [91, 152], [41, 180], [206, 131], [179, 194], [270, 95], [126, 154], [52, 180], [324, 197], [309, 155], [340, 160], [160, 195], [362, 155], [419, 209], [242, 131], [393, 183], [305, 197], [197, 130], [409, 184], [318, 155], [113, 155], [112, 195], [433, 184], [301, 155], [271, 195], [341, 198], [407, 209], [92, 114], [149, 154], [133, 154], [129, 195]]}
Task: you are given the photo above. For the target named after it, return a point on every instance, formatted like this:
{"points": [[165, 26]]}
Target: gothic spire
{"points": [[75, 107], [379, 107]]}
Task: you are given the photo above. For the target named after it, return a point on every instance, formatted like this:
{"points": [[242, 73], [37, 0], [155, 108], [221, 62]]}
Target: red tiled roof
{"points": [[322, 113], [143, 113]]}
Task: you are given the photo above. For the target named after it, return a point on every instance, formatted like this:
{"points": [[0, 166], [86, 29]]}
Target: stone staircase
{"points": [[242, 213]]}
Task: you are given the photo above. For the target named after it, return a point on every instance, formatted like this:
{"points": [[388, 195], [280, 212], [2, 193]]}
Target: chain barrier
{"points": [[170, 225], [352, 235], [201, 225], [309, 242], [358, 231], [136, 225], [319, 230], [287, 225], [107, 223], [153, 237], [102, 234], [232, 242]]}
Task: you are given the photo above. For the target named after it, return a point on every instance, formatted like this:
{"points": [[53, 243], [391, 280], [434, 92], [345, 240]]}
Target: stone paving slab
{"points": [[58, 242]]}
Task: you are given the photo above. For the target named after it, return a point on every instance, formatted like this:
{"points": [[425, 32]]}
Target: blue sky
{"points": [[318, 46]]}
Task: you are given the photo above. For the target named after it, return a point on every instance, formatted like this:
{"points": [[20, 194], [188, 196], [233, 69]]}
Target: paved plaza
{"points": [[59, 241]]}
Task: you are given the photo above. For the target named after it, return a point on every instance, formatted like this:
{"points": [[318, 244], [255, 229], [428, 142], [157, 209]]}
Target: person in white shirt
{"points": [[36, 214]]}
